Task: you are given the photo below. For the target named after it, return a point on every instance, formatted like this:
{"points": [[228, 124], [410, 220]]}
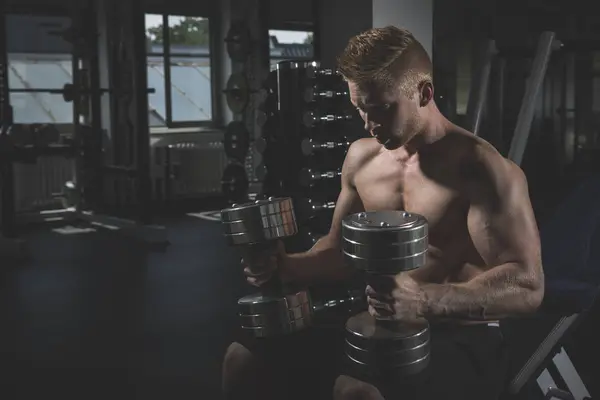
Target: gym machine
{"points": [[243, 93], [83, 196], [548, 366]]}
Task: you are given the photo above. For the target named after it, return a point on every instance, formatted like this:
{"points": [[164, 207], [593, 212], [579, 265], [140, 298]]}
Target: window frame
{"points": [[166, 57], [295, 27], [44, 10]]}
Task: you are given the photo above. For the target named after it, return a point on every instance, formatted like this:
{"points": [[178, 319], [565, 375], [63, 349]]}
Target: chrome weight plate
{"points": [[261, 303], [385, 242]]}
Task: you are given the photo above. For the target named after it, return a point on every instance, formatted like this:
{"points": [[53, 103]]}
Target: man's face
{"points": [[390, 115]]}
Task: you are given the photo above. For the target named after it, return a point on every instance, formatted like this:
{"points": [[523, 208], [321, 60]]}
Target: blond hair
{"points": [[387, 56]]}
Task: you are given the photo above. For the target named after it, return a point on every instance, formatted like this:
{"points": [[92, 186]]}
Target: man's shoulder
{"points": [[483, 166], [364, 146], [362, 150]]}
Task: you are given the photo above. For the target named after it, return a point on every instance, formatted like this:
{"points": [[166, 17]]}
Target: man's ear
{"points": [[426, 93]]}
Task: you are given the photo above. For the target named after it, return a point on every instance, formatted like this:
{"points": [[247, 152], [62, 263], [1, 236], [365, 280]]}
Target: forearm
{"points": [[501, 292], [324, 262]]}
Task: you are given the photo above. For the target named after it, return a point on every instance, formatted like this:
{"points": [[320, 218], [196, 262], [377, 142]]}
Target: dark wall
{"points": [[340, 20], [36, 34]]}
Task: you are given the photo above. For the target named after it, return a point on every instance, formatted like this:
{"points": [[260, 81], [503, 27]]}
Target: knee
{"points": [[347, 388], [238, 359]]}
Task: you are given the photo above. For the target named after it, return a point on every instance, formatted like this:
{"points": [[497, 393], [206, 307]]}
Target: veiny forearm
{"points": [[324, 262], [501, 292]]}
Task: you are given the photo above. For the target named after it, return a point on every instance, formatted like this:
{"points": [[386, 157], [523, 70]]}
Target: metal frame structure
{"points": [[137, 140], [480, 83], [538, 367]]}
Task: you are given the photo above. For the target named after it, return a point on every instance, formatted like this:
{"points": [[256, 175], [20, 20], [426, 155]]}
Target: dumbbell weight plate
{"points": [[260, 303], [396, 373], [365, 332], [273, 317], [390, 226], [262, 235], [249, 226], [383, 250], [391, 358], [264, 316], [387, 266], [259, 221], [392, 348], [237, 93], [257, 209], [283, 329], [385, 242]]}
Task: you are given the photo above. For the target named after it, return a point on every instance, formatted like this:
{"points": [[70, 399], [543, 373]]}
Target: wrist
{"points": [[423, 303], [286, 270], [433, 303]]}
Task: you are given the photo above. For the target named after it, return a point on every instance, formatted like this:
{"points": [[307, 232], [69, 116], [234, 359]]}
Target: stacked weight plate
{"points": [[386, 243], [260, 223], [257, 227], [267, 315]]}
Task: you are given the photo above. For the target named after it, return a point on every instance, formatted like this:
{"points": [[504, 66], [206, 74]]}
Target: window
{"points": [[179, 70], [38, 58], [290, 45]]}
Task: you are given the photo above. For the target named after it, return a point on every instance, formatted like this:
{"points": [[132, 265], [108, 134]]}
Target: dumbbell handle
{"points": [[311, 119], [318, 72], [354, 297], [311, 94], [255, 255], [309, 146], [318, 206], [311, 207], [308, 176]]}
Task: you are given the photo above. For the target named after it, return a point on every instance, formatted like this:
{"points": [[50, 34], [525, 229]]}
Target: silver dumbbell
{"points": [[256, 228], [386, 243]]}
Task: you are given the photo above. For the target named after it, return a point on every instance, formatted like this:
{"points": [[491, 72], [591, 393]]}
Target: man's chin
{"points": [[389, 144], [392, 146]]}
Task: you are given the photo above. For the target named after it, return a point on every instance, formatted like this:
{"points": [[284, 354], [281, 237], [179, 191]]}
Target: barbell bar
{"points": [[69, 91]]}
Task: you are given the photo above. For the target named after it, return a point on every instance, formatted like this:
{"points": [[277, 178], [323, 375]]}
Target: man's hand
{"points": [[260, 267], [394, 297]]}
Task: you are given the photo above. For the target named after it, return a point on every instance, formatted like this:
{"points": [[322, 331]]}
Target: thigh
{"points": [[301, 365], [466, 363]]}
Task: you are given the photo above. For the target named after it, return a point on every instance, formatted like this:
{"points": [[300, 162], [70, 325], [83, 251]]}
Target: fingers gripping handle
{"points": [[263, 258], [380, 288]]}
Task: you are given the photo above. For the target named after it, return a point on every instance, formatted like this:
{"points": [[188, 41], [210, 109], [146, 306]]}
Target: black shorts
{"points": [[467, 362]]}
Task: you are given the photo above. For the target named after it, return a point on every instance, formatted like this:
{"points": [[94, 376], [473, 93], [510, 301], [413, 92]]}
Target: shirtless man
{"points": [[484, 259]]}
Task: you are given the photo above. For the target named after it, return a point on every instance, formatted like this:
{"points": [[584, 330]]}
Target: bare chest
{"points": [[451, 256], [408, 188]]}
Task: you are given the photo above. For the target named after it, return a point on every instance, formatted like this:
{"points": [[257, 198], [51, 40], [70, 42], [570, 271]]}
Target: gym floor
{"points": [[96, 315], [93, 315]]}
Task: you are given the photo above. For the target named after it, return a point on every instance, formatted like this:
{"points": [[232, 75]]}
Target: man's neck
{"points": [[435, 129]]}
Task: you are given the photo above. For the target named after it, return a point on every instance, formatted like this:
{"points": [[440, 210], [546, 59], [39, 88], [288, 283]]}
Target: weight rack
{"points": [[308, 125]]}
